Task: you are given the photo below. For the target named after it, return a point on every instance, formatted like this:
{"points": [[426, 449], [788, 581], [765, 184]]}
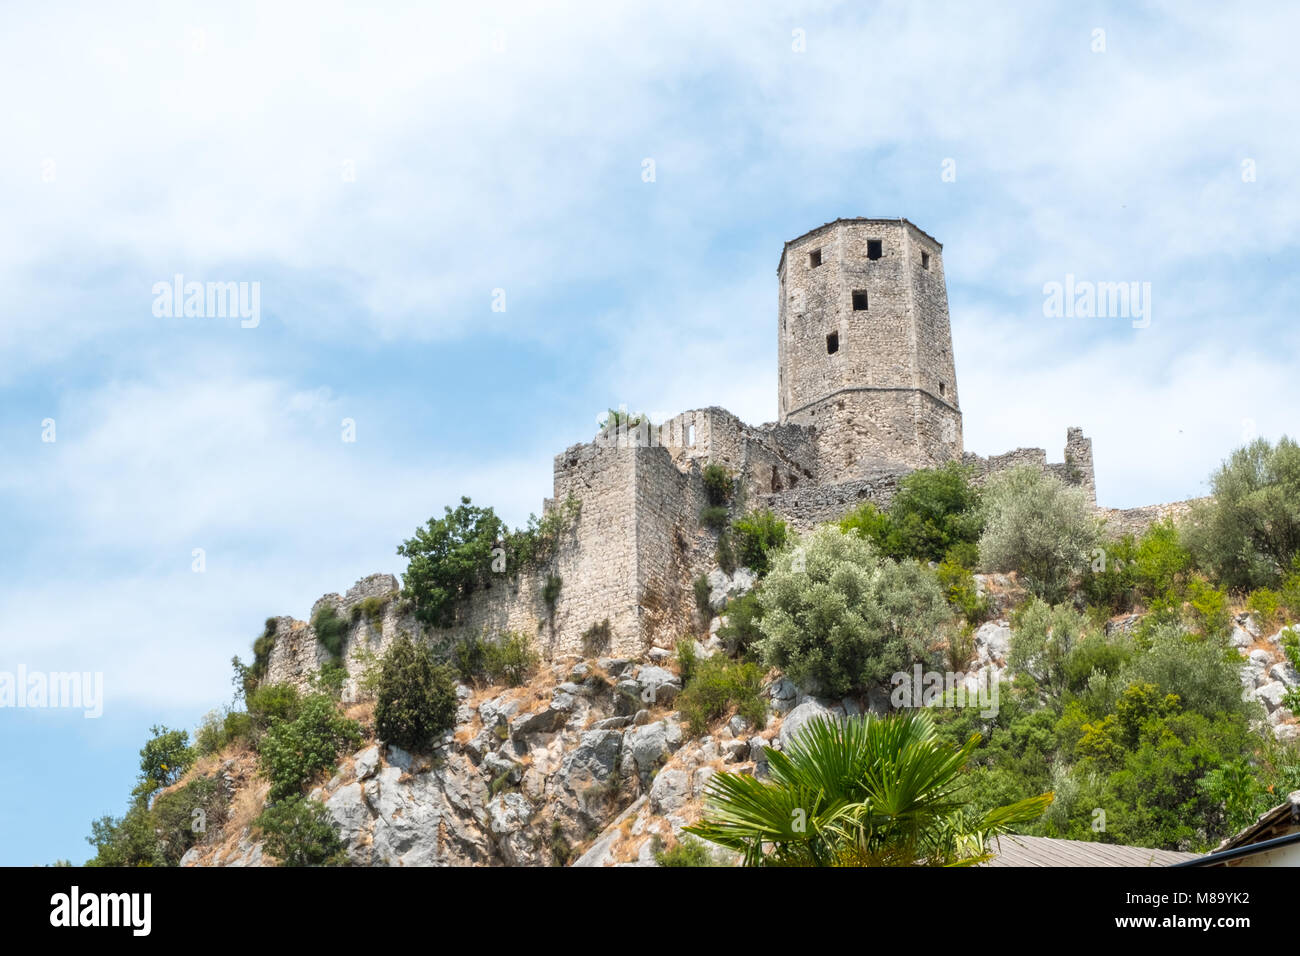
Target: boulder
{"points": [[797, 718], [993, 642], [367, 762], [670, 791], [1285, 673], [1271, 694]]}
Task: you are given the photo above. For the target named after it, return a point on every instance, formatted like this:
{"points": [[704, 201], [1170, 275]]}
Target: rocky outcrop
{"points": [[552, 773]]}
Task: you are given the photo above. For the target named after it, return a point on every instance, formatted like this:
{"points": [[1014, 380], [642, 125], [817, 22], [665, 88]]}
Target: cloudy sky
{"points": [[380, 173]]}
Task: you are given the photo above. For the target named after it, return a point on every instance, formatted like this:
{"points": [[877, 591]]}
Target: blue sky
{"points": [[502, 148]]}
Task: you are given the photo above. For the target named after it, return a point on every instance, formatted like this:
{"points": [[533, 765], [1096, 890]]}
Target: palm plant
{"points": [[859, 792]]}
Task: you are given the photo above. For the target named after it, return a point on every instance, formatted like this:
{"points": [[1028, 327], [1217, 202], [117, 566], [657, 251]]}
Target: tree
{"points": [[449, 558], [859, 792], [163, 760], [840, 618], [758, 534], [936, 514], [293, 752], [300, 832], [417, 696], [1248, 533], [1039, 527]]}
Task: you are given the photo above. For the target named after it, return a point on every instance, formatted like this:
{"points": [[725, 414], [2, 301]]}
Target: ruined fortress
{"points": [[867, 391]]}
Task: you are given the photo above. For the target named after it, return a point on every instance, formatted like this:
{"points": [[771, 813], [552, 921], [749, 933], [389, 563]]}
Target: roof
{"points": [[1272, 823], [1017, 850], [835, 222]]}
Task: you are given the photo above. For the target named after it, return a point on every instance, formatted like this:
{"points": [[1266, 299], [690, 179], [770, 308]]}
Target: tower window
{"points": [[942, 388], [875, 248], [832, 343], [925, 260], [814, 258], [859, 301]]}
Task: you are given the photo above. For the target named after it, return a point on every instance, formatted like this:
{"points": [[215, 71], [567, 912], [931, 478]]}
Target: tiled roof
{"points": [[1015, 850]]}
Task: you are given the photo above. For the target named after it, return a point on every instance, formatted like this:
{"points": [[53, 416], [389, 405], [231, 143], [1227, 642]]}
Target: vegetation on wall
{"points": [[453, 556]]}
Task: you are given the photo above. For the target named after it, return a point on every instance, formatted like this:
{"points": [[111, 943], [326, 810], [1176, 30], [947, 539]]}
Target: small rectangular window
{"points": [[925, 260], [942, 388], [875, 248], [832, 343], [815, 258], [859, 301]]}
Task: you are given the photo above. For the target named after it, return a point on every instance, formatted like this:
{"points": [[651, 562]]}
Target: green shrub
{"points": [[551, 590], [300, 832], [184, 816], [935, 515], [1207, 609], [870, 523], [1200, 672], [595, 639], [128, 840], [417, 696], [371, 608], [1160, 562], [958, 585], [1043, 639], [685, 852], [714, 517], [719, 485], [1039, 527], [716, 685], [1247, 534], [331, 631], [726, 555], [702, 592], [247, 676], [839, 618], [164, 759], [533, 546], [449, 558], [293, 752], [686, 659], [756, 535], [741, 632], [1108, 583], [507, 659], [210, 737], [269, 703], [1265, 605]]}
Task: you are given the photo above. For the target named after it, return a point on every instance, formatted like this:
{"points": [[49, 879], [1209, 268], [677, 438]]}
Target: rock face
{"points": [[535, 776]]}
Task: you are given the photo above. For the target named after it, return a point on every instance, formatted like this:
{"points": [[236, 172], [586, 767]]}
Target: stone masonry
{"points": [[867, 392]]}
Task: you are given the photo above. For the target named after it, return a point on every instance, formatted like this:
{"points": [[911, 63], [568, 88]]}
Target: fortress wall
{"points": [[1121, 521], [599, 568], [671, 546], [763, 457], [810, 505], [1076, 468]]}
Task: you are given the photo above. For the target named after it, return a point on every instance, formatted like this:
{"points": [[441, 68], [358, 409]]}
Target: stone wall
{"points": [[1120, 521], [811, 505], [1076, 468]]}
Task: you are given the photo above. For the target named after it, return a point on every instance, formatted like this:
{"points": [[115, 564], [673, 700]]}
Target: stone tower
{"points": [[865, 348]]}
